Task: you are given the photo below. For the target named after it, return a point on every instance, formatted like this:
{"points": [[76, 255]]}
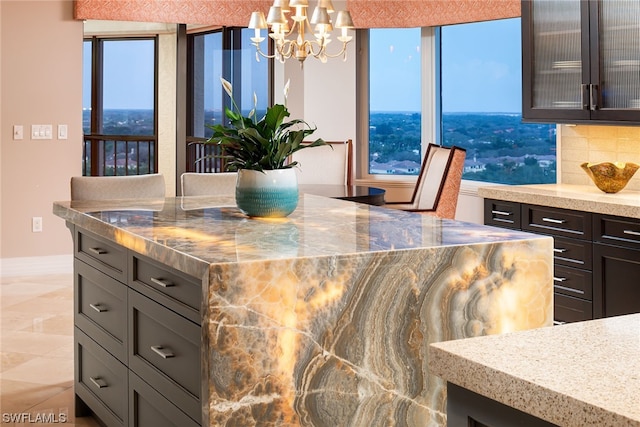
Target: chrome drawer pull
{"points": [[559, 250], [564, 288], [163, 283], [98, 382], [502, 213], [98, 251], [163, 352], [557, 323], [633, 233], [97, 308], [554, 221], [559, 279]]}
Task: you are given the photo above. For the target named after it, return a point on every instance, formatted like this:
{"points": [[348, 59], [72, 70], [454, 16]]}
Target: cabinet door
{"points": [[616, 288], [615, 59], [555, 49]]}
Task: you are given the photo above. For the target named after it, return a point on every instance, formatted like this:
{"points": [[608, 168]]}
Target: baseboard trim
{"points": [[36, 266]]}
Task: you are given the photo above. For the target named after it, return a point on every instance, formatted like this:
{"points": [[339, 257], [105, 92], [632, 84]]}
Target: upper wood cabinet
{"points": [[581, 61]]}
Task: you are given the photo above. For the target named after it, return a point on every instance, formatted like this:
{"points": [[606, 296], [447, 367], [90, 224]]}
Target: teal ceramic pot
{"points": [[270, 194]]}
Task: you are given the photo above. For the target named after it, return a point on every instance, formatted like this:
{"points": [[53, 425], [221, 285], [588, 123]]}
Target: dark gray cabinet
{"points": [[596, 257], [616, 272], [581, 61], [137, 337]]}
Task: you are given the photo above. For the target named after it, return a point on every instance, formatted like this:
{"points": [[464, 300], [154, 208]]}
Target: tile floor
{"points": [[36, 351]]}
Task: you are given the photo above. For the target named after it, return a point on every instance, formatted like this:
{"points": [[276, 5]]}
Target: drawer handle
{"points": [[98, 382], [162, 282], [163, 352], [558, 323], [633, 233], [505, 213], [559, 250], [559, 279], [98, 251], [554, 221], [97, 308], [564, 288]]}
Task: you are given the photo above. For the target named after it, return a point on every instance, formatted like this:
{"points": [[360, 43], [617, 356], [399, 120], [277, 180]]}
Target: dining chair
{"points": [[326, 164], [208, 184], [149, 186], [438, 185]]}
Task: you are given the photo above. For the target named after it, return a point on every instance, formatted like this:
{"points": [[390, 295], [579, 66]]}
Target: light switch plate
{"points": [[18, 132], [62, 132], [41, 131]]}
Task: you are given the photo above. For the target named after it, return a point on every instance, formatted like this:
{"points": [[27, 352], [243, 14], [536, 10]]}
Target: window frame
{"points": [[429, 102], [96, 128], [231, 71], [431, 108]]}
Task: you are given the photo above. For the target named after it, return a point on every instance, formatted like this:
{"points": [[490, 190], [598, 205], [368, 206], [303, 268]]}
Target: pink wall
{"points": [[41, 57]]}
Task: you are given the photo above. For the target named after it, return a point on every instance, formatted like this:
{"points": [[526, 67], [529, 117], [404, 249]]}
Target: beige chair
{"points": [[438, 185], [117, 187], [326, 164], [208, 184]]}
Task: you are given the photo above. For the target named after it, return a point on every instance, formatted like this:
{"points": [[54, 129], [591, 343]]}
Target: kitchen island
{"points": [[578, 375], [320, 318]]}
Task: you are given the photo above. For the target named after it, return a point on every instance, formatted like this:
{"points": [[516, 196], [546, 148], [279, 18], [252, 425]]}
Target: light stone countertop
{"points": [[579, 374], [586, 198]]}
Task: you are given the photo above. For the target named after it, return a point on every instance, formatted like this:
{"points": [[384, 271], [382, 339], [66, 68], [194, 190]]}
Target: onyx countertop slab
{"points": [[325, 317]]}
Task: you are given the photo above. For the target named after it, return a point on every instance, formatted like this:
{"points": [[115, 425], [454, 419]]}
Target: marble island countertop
{"points": [[586, 198], [576, 375], [324, 317], [213, 230]]}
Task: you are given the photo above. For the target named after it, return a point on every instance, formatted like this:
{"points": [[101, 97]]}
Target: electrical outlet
{"points": [[36, 224]]}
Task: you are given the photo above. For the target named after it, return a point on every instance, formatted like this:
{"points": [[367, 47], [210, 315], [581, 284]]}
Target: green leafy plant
{"points": [[265, 144]]}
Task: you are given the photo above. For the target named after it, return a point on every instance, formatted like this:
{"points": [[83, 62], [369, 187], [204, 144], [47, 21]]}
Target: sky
{"points": [[481, 70]]}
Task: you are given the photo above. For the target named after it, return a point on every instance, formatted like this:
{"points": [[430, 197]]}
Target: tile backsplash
{"points": [[588, 143]]}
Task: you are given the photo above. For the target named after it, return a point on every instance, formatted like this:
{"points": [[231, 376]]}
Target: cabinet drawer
{"points": [[568, 309], [502, 214], [100, 307], [573, 282], [557, 222], [100, 381], [164, 350], [149, 408], [176, 290], [106, 256], [617, 231], [572, 253]]}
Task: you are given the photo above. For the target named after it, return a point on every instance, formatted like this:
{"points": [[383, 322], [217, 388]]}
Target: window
{"points": [[226, 53], [119, 106], [395, 102], [457, 85], [481, 105]]}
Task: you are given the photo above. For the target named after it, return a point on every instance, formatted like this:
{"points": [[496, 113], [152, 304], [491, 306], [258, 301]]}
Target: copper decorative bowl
{"points": [[610, 177]]}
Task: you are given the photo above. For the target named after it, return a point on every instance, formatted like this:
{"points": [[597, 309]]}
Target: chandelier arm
{"points": [[342, 51], [286, 49], [310, 44], [259, 51]]}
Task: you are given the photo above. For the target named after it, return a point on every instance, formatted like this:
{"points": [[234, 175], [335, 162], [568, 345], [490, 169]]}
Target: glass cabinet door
{"points": [[616, 40], [556, 54]]}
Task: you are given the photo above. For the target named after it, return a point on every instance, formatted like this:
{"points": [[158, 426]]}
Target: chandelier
{"points": [[290, 41]]}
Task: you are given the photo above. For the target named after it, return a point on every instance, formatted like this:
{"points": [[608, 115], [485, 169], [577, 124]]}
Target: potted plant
{"points": [[259, 150]]}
